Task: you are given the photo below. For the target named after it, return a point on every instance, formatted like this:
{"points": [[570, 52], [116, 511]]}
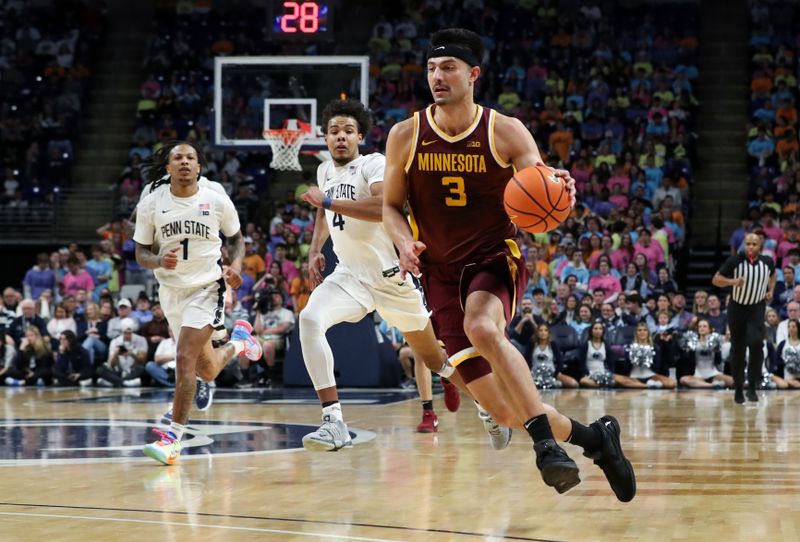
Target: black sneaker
{"points": [[558, 470], [612, 460], [738, 397], [752, 396]]}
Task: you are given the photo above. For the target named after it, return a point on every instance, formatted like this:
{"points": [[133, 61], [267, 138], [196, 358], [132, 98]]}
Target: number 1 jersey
{"points": [[192, 225], [362, 247]]}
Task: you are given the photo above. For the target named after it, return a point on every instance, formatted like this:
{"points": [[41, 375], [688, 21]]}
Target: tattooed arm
{"points": [[232, 273]]}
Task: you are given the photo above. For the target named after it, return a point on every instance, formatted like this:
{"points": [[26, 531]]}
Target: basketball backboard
{"points": [[257, 93]]}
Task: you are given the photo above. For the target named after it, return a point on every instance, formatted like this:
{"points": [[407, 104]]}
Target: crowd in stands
{"points": [[772, 146], [46, 54], [608, 95]]}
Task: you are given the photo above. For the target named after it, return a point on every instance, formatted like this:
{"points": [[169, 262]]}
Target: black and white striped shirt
{"points": [[756, 277]]}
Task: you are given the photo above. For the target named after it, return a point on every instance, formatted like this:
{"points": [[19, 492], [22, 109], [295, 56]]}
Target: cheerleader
{"points": [[788, 354], [703, 349], [597, 360], [769, 380], [643, 360], [547, 364]]}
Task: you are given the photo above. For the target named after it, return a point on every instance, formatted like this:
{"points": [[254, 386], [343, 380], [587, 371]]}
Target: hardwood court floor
{"points": [[707, 470]]}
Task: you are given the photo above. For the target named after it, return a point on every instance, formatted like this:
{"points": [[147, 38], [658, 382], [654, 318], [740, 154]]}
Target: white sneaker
{"points": [[332, 435], [132, 383], [104, 383], [85, 382], [655, 384], [499, 436]]}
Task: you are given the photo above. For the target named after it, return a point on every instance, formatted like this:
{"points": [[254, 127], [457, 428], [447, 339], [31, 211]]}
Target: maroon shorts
{"points": [[446, 287]]}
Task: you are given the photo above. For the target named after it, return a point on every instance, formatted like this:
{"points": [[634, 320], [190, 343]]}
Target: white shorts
{"points": [[398, 302], [194, 307]]}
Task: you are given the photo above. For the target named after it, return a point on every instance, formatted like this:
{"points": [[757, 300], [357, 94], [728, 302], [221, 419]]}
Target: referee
{"points": [[753, 279]]}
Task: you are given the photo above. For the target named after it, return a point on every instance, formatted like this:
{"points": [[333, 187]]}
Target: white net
{"points": [[285, 145]]}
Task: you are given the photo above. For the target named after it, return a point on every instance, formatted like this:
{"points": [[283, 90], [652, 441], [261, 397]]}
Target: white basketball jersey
{"points": [[362, 247], [201, 182], [193, 226]]}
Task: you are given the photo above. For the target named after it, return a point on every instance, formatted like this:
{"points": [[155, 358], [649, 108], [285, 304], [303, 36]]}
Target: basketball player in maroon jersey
{"points": [[450, 163]]}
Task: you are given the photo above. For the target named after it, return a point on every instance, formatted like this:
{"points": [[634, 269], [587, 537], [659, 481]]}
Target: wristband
{"points": [[327, 202]]}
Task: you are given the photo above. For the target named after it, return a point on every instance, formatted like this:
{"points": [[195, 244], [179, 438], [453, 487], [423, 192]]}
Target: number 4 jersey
{"points": [[192, 225], [362, 247], [455, 189]]}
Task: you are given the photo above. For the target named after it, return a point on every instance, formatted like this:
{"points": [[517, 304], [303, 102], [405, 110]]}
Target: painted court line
{"points": [[207, 526]]}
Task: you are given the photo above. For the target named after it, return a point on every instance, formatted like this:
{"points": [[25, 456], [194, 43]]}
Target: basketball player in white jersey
{"points": [[367, 278], [204, 392], [184, 222]]}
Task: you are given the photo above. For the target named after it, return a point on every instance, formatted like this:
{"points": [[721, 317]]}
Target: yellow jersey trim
{"points": [[514, 248], [413, 223], [458, 137], [412, 150], [495, 154], [462, 356]]}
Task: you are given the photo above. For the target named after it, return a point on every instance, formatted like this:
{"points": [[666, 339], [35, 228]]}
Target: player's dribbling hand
{"points": [[566, 177], [170, 259], [409, 258], [232, 277], [313, 196], [316, 265]]}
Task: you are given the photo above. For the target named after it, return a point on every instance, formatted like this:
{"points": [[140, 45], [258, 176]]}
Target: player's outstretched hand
{"points": [[232, 277], [314, 196], [316, 265], [409, 257], [170, 259], [566, 177]]}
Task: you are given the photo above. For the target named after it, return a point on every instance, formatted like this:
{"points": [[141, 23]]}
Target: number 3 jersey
{"points": [[362, 247], [455, 189], [192, 225]]}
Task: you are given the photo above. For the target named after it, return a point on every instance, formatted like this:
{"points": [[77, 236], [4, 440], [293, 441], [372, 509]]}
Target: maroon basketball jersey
{"points": [[455, 189]]}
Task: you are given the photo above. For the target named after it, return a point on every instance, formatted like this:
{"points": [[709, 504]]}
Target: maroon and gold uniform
{"points": [[455, 199]]}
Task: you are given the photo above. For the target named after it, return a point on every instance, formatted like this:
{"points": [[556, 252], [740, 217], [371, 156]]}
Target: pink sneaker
{"points": [[242, 331]]}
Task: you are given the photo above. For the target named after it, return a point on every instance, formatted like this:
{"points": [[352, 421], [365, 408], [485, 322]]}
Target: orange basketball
{"points": [[536, 200]]}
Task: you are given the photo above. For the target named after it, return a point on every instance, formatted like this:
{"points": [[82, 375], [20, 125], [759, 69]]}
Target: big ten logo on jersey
{"points": [[205, 209]]}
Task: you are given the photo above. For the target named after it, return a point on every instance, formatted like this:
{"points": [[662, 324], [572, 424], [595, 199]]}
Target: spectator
{"points": [[39, 277], [76, 277], [604, 279], [60, 323], [142, 314], [27, 319], [162, 368], [272, 327], [716, 318], [596, 359], [522, 329], [115, 324], [100, 268], [642, 363], [73, 366], [126, 358], [547, 364], [300, 289], [33, 364], [156, 330], [92, 333]]}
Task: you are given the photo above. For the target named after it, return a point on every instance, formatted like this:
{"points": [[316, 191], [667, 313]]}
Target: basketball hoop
{"points": [[285, 145]]}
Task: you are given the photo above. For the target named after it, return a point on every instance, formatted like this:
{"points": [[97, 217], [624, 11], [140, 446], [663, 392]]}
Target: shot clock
{"points": [[291, 19]]}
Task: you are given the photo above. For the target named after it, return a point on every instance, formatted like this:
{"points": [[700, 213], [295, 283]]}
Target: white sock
{"points": [[446, 370], [334, 411], [238, 347], [177, 430]]}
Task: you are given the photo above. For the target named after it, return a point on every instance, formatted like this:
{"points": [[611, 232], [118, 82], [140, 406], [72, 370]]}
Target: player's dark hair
{"points": [[460, 37], [157, 163], [347, 108]]}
